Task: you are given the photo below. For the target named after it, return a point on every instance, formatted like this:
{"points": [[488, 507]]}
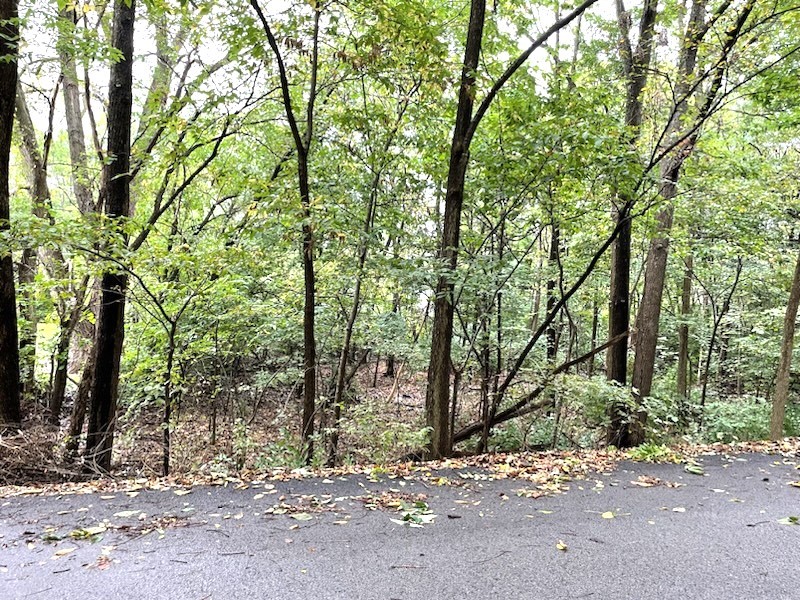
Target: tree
{"points": [[437, 399], [115, 198], [10, 413], [636, 65], [302, 147], [678, 141], [785, 364]]}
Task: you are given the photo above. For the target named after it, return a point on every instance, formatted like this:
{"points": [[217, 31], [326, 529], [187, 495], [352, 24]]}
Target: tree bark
{"points": [[71, 94], [437, 399], [636, 66], [683, 330], [619, 431], [116, 200], [785, 363], [78, 415], [53, 259], [29, 266], [10, 411], [440, 363]]}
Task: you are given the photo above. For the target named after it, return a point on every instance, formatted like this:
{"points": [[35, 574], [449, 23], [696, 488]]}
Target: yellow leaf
{"points": [[608, 515], [561, 546]]}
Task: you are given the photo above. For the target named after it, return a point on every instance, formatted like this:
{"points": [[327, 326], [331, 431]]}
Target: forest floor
{"points": [[710, 523]]}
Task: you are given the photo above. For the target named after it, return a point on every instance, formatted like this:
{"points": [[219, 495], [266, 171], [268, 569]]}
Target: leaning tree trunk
{"points": [[10, 413], [116, 196], [785, 364], [647, 320]]}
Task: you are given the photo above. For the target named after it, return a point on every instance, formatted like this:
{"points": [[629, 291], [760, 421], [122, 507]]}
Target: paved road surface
{"points": [[716, 536]]}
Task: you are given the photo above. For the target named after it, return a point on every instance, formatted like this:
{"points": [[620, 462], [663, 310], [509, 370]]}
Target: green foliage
{"points": [[650, 452], [744, 419], [283, 452], [381, 438], [213, 247]]}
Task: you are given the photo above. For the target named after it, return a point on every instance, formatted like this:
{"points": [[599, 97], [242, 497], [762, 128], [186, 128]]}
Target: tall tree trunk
{"points": [[309, 304], [437, 399], [71, 94], [785, 363], [29, 266], [302, 144], [681, 145], [619, 432], [116, 199], [683, 330], [54, 260], [10, 412], [636, 67], [647, 319]]}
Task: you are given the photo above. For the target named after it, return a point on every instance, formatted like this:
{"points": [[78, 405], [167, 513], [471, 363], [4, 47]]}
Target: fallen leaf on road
{"points": [[182, 492], [302, 516], [87, 533], [561, 546], [125, 514], [646, 481], [694, 469], [679, 509], [608, 515], [789, 521], [795, 484], [64, 552]]}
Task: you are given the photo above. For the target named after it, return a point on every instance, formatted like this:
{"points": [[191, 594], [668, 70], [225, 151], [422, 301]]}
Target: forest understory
{"points": [[248, 434], [284, 235]]}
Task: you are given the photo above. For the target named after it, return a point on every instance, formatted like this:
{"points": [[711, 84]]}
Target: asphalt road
{"points": [[715, 535]]}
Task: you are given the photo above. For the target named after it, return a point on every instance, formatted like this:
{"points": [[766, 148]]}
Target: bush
{"points": [[379, 437], [744, 419]]}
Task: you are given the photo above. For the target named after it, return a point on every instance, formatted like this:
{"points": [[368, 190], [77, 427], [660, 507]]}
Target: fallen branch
{"points": [[526, 405]]}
